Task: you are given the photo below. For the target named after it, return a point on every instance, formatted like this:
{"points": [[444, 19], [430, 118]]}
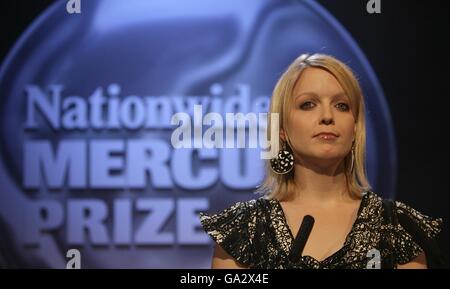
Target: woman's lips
{"points": [[326, 136]]}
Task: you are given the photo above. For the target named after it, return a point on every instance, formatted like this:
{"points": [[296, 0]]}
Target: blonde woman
{"points": [[320, 173]]}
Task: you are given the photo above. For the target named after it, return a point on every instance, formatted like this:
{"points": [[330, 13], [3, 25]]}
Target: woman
{"points": [[320, 172]]}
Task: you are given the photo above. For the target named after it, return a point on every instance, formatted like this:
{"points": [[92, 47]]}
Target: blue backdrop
{"points": [[86, 160]]}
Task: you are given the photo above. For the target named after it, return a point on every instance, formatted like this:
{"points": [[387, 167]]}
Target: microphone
{"points": [[301, 238]]}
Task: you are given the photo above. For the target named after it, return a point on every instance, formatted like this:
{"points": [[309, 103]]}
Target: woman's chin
{"points": [[323, 154], [328, 155], [328, 152]]}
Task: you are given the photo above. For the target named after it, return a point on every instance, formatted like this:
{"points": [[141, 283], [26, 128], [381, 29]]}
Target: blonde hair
{"points": [[281, 186]]}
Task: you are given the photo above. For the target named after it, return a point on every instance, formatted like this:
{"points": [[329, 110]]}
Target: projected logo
{"points": [[86, 159]]}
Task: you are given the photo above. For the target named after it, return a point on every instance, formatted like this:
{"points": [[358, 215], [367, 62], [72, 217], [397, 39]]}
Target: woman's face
{"points": [[320, 106]]}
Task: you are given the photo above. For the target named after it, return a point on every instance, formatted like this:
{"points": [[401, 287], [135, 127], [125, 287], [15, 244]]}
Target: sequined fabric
{"points": [[256, 234]]}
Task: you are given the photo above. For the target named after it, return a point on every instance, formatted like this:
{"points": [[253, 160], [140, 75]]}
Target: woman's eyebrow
{"points": [[337, 95], [306, 93], [340, 94]]}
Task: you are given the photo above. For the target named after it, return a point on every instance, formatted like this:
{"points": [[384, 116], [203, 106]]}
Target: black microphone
{"points": [[301, 238]]}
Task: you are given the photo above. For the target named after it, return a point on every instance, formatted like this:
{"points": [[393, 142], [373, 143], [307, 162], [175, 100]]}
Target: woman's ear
{"points": [[282, 135]]}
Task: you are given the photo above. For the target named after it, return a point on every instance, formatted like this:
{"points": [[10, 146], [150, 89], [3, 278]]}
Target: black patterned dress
{"points": [[256, 234]]}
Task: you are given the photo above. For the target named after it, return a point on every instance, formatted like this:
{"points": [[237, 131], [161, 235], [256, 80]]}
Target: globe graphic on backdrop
{"points": [[158, 56]]}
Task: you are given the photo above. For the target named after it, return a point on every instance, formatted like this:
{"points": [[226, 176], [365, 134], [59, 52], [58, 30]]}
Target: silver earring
{"points": [[283, 162], [353, 159]]}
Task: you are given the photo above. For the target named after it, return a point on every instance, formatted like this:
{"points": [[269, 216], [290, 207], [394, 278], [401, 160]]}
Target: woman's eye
{"points": [[307, 105], [343, 106]]}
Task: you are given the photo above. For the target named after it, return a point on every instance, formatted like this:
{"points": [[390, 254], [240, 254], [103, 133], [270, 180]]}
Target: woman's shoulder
{"points": [[410, 217], [234, 228], [240, 213], [412, 230], [240, 209], [405, 214]]}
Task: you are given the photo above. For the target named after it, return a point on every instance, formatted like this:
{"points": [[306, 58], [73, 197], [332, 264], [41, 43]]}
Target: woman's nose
{"points": [[327, 120], [326, 117]]}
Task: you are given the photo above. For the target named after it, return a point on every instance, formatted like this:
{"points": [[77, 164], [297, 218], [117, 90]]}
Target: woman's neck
{"points": [[320, 184]]}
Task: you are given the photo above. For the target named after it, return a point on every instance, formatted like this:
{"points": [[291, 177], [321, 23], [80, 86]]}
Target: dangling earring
{"points": [[353, 158], [283, 162]]}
